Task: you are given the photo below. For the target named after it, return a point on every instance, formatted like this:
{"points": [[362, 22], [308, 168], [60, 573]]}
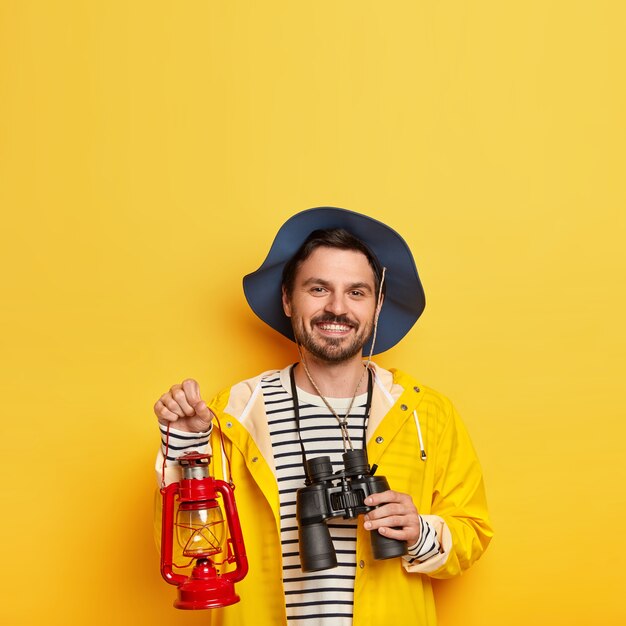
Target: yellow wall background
{"points": [[148, 153]]}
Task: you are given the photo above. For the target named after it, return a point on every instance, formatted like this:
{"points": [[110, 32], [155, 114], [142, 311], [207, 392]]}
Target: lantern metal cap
{"points": [[194, 459]]}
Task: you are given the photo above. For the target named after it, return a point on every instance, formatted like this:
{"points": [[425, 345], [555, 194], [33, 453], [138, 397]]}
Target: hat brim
{"points": [[404, 298]]}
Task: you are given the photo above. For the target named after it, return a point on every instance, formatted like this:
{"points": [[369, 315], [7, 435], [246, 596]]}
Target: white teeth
{"points": [[334, 327]]}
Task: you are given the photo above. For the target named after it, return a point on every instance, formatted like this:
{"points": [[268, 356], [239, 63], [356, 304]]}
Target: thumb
{"points": [[203, 412]]}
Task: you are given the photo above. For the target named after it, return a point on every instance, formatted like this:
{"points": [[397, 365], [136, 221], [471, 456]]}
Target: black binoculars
{"points": [[321, 499]]}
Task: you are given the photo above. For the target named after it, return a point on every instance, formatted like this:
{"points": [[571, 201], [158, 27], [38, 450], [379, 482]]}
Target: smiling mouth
{"points": [[329, 327]]}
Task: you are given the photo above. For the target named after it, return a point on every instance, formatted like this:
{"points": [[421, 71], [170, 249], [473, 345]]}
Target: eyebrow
{"points": [[325, 283]]}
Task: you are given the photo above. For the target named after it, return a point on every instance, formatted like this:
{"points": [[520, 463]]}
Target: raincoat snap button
{"points": [[379, 440], [404, 407], [255, 459], [361, 564], [416, 389], [229, 424]]}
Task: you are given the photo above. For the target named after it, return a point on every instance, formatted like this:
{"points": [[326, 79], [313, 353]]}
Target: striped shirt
{"points": [[323, 598]]}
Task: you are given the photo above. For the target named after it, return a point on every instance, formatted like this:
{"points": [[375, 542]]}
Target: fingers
{"points": [[390, 510], [401, 534], [203, 411], [163, 413], [192, 391], [390, 503], [183, 404], [384, 497], [390, 521], [395, 516], [402, 527], [180, 397]]}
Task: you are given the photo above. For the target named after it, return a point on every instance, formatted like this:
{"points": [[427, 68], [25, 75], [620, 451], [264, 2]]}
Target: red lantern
{"points": [[200, 531]]}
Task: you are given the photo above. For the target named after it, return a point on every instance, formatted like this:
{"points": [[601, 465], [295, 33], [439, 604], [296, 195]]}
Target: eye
{"points": [[317, 290], [355, 293]]}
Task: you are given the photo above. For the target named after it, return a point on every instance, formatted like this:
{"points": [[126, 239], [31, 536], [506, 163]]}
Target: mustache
{"points": [[328, 318]]}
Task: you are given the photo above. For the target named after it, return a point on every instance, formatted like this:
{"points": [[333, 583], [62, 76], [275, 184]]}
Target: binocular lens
{"points": [[318, 469], [355, 462]]}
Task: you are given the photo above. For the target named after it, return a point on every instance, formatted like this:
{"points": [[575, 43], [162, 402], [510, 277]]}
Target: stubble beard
{"points": [[331, 349]]}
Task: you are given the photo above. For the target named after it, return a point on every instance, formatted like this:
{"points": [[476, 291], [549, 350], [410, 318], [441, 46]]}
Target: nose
{"points": [[336, 304]]}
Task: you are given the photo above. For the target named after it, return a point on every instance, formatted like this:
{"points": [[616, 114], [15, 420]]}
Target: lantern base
{"points": [[204, 589]]}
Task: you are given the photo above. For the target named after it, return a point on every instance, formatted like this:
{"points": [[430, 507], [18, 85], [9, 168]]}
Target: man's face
{"points": [[333, 303]]}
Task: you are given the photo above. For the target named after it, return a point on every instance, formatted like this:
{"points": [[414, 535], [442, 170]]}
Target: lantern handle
{"points": [[235, 533], [167, 538]]}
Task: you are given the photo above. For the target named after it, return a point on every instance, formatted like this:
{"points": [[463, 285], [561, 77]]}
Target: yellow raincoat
{"points": [[446, 487]]}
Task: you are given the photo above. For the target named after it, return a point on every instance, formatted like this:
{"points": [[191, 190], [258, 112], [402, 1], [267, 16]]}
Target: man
{"points": [[340, 285]]}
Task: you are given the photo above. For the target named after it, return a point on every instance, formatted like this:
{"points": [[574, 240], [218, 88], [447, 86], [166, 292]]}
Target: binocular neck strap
{"points": [[342, 424]]}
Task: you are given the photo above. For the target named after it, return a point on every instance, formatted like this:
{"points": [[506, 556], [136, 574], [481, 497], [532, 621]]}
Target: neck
{"points": [[335, 380]]}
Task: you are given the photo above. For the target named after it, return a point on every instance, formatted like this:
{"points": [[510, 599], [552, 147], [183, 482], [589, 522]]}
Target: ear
{"points": [[286, 303]]}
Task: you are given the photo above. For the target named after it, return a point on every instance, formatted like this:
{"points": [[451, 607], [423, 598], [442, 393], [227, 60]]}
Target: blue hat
{"points": [[404, 297]]}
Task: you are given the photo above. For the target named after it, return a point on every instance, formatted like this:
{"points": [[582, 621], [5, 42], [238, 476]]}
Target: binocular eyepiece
{"points": [[329, 495]]}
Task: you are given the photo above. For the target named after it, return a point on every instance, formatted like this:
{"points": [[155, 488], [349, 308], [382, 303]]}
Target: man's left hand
{"points": [[396, 516]]}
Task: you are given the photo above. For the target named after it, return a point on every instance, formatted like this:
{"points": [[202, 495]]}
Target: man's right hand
{"points": [[183, 408]]}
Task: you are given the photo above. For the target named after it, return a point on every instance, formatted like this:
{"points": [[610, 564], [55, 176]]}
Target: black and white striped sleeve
{"points": [[181, 442], [426, 546]]}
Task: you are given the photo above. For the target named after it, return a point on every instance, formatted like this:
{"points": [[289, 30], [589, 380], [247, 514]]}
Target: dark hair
{"points": [[329, 238]]}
